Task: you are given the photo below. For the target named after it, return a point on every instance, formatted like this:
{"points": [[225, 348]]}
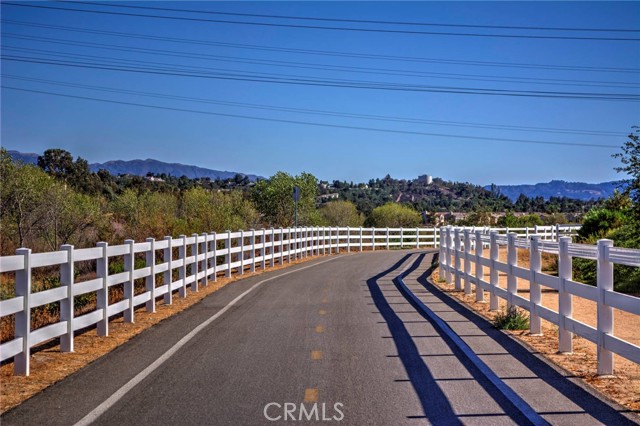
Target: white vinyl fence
{"points": [[462, 248], [182, 263]]}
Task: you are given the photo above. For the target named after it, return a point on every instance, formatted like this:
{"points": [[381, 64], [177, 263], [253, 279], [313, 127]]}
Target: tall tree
{"points": [[630, 159], [274, 199], [341, 213]]}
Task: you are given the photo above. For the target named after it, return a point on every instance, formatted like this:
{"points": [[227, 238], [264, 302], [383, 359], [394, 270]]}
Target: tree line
{"points": [[60, 201]]}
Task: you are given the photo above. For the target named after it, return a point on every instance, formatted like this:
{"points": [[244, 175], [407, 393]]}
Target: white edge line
{"points": [[504, 389], [117, 395]]}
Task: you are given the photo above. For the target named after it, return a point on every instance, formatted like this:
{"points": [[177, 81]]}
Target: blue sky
{"points": [[449, 135]]}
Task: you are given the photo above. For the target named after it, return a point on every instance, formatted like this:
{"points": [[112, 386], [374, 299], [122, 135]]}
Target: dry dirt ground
{"points": [[623, 387], [49, 365]]}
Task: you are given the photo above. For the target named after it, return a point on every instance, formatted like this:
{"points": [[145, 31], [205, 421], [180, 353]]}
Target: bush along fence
{"points": [[153, 270], [462, 248]]}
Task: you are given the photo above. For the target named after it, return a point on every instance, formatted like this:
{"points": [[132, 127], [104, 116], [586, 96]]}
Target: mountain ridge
{"points": [[140, 167], [554, 188], [560, 188]]}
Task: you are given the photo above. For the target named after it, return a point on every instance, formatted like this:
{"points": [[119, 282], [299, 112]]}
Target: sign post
{"points": [[296, 198]]}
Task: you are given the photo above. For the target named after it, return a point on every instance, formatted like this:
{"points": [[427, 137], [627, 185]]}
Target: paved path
{"points": [[338, 335]]}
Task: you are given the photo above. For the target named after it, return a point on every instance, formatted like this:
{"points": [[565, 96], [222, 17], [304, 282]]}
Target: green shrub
{"points": [[598, 222], [511, 319]]}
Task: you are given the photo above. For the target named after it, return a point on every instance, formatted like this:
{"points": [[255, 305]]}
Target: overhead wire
{"points": [[308, 123], [318, 27], [315, 111], [394, 58], [367, 21], [334, 83], [319, 66]]}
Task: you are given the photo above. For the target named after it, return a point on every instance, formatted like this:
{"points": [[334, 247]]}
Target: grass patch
{"points": [[511, 319]]}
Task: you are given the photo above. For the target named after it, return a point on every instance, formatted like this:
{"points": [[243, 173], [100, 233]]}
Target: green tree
{"points": [[22, 194], [341, 213], [274, 199], [630, 159], [60, 164], [394, 215], [71, 217], [206, 211]]}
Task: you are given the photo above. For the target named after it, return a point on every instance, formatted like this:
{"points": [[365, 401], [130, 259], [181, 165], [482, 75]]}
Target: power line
{"points": [[372, 129], [318, 112], [318, 27], [336, 83], [316, 66], [394, 58], [365, 21]]}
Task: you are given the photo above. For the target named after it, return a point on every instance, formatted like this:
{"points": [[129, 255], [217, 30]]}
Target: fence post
{"points": [[361, 242], [66, 305], [241, 253], [493, 272], [479, 268], [213, 261], [324, 240], [557, 232], [272, 245], [456, 259], [565, 300], [348, 238], [168, 274], [442, 260], [330, 241], [150, 281], [21, 363], [263, 249], [605, 313], [417, 238], [309, 242], [204, 263], [373, 238], [281, 241], [227, 257], [401, 237], [535, 229], [512, 260], [182, 272], [102, 299], [129, 266], [447, 254], [252, 241], [535, 296], [467, 262], [316, 240], [387, 238], [194, 265]]}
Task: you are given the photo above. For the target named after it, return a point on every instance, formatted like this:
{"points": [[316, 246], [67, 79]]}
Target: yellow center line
{"points": [[319, 328], [322, 312], [311, 395], [316, 355]]}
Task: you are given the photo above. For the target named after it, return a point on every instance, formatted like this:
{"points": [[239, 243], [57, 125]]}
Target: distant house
{"points": [[327, 197]]}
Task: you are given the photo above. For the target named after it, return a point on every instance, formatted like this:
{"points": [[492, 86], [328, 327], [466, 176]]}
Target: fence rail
{"points": [[175, 266], [462, 246]]}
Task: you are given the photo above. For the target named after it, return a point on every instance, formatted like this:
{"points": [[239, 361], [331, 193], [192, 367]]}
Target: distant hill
{"points": [[24, 157], [142, 167], [559, 188]]}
